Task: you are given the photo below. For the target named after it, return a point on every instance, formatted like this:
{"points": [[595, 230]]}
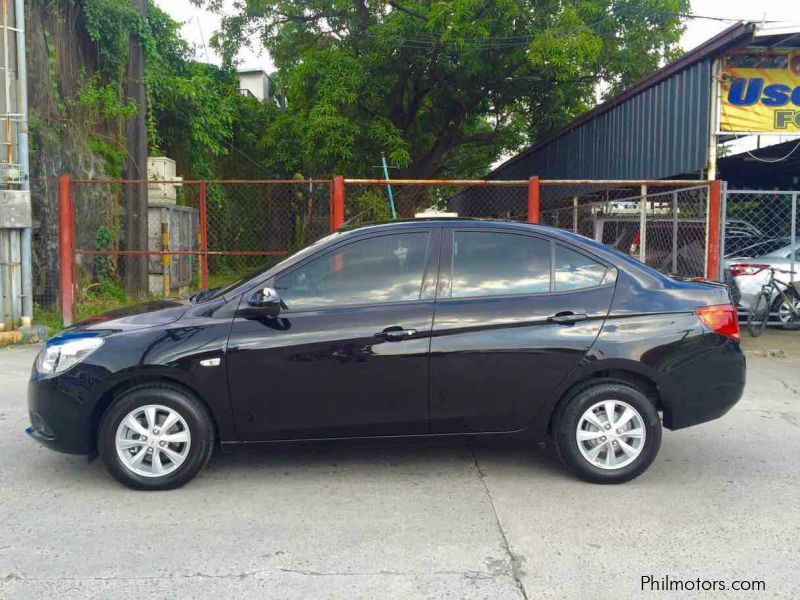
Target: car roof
{"points": [[431, 222], [425, 220], [784, 251]]}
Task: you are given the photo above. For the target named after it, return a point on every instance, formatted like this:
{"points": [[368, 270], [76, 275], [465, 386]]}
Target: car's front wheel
{"points": [[155, 437], [608, 433]]}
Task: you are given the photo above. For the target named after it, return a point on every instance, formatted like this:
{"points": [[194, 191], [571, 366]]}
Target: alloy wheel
{"points": [[786, 314], [611, 434], [153, 440]]}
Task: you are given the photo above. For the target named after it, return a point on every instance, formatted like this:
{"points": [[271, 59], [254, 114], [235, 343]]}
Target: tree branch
{"points": [[409, 11]]}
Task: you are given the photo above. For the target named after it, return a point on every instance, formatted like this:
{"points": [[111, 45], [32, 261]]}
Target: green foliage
{"points": [[110, 24], [370, 206], [443, 87], [103, 100], [113, 155], [104, 267], [51, 319], [93, 300], [191, 107]]}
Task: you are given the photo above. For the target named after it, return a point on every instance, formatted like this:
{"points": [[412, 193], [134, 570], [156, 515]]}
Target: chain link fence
{"points": [[760, 232], [200, 234], [206, 233], [370, 201], [663, 224]]}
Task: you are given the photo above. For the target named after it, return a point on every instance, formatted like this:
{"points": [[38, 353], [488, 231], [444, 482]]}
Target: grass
{"points": [[94, 299]]}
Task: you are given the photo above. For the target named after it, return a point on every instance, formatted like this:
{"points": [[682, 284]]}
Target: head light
{"points": [[58, 357]]}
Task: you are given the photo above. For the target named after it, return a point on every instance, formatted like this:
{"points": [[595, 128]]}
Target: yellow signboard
{"points": [[761, 93]]}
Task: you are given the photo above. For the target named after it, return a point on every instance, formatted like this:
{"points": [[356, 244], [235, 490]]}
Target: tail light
{"points": [[745, 269], [720, 318]]}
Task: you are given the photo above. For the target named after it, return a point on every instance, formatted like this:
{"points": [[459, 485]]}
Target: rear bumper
{"points": [[744, 289], [706, 387]]}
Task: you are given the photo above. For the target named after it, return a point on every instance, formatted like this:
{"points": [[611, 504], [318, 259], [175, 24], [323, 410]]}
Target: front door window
{"points": [[377, 270]]}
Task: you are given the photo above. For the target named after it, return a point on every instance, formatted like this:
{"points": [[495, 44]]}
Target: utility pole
{"points": [[16, 300], [135, 168]]}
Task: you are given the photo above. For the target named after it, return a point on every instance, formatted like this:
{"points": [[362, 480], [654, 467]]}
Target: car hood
{"points": [[138, 316]]}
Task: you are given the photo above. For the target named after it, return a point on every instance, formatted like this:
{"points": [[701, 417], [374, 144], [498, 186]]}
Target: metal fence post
{"points": [[575, 214], [643, 224], [66, 247], [675, 231], [337, 202], [203, 206], [794, 236], [165, 258], [712, 243], [534, 198], [723, 226]]}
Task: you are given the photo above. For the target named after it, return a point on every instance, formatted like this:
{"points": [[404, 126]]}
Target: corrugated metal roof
{"points": [[658, 128]]}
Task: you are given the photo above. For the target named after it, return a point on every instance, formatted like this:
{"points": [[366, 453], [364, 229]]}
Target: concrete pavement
{"points": [[719, 503]]}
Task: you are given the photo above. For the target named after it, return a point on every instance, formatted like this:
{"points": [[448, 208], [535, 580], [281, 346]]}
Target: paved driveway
{"points": [[722, 502]]}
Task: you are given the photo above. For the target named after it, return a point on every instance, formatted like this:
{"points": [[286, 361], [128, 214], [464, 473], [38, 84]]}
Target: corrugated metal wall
{"points": [[661, 132]]}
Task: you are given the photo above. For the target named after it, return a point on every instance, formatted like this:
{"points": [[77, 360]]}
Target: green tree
{"points": [[444, 87]]}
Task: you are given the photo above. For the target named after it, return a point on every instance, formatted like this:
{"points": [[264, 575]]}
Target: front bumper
{"points": [[60, 418]]}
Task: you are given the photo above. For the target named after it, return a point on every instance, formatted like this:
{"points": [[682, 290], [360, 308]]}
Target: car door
{"points": [[515, 313], [348, 353]]}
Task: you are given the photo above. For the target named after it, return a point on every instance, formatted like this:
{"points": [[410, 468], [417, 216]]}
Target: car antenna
{"points": [[388, 185]]}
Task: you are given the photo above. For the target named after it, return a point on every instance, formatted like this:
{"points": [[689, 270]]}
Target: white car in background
{"points": [[748, 270]]}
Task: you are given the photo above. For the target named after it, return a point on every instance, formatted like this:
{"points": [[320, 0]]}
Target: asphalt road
{"points": [[721, 502]]}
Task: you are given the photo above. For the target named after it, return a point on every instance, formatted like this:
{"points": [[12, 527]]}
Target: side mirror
{"points": [[266, 302]]}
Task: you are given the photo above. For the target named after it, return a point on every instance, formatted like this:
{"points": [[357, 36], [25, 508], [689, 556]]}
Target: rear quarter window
{"points": [[575, 270]]}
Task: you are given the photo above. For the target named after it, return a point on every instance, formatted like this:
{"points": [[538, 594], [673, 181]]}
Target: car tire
{"points": [[134, 423], [609, 451]]}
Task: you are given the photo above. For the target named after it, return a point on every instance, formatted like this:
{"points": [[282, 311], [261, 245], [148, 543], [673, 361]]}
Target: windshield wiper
{"points": [[202, 295]]}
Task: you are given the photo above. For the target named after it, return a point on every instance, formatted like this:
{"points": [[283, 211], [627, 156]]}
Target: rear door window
{"points": [[496, 264]]}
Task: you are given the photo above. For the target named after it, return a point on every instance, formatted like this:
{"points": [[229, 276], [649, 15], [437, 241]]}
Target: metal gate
{"points": [[759, 230]]}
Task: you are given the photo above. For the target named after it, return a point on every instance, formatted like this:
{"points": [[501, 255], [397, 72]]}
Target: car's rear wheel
{"points": [[155, 437], [758, 315], [608, 433]]}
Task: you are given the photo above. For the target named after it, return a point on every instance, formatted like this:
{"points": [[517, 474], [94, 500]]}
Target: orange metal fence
{"points": [[204, 232]]}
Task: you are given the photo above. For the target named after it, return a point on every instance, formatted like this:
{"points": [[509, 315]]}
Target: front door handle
{"points": [[567, 318], [396, 333]]}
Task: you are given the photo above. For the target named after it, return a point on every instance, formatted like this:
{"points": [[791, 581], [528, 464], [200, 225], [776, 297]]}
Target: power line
{"points": [[423, 40]]}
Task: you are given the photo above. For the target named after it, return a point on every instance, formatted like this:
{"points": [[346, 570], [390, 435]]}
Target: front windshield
{"points": [[221, 291]]}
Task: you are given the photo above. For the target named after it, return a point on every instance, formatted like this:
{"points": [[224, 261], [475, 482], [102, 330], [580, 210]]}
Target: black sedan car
{"points": [[440, 327]]}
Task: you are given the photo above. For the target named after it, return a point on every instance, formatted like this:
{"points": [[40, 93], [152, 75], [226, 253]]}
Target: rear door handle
{"points": [[395, 333], [567, 318]]}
